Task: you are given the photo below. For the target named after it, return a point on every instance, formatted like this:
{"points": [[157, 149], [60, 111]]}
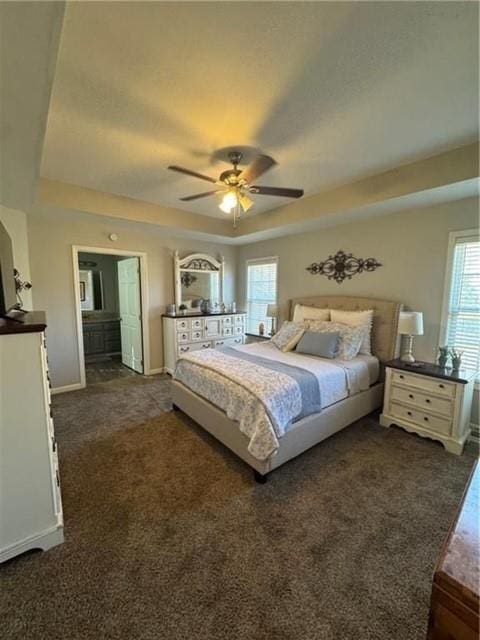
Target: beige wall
{"points": [[51, 237], [15, 222], [412, 247]]}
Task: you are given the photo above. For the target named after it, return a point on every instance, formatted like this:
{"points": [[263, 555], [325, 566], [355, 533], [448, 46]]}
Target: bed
{"points": [[215, 390]]}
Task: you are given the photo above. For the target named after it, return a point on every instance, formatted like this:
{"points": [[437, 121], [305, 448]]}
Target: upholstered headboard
{"points": [[385, 318]]}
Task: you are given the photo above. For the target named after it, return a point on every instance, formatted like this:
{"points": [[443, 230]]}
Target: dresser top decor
{"points": [[342, 266]]}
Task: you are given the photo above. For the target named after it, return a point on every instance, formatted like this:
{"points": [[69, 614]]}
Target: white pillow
{"points": [[350, 337], [289, 335], [302, 312], [356, 319]]}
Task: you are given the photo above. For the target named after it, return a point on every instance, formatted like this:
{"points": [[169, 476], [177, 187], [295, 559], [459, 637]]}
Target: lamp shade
{"points": [[411, 323], [272, 310]]}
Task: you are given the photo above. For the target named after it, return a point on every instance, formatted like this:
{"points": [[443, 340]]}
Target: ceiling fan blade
{"points": [[191, 173], [277, 191], [256, 168], [205, 194]]}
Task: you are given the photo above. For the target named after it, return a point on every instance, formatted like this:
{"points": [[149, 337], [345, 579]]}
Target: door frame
{"points": [[142, 256]]}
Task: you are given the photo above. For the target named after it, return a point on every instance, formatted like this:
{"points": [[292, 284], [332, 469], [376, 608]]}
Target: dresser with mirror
{"points": [[198, 284]]}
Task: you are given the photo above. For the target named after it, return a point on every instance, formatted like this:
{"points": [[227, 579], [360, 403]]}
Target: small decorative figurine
{"points": [[444, 353], [456, 359], [261, 329]]}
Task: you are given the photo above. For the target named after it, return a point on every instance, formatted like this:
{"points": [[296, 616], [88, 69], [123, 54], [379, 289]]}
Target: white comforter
{"points": [[265, 403]]}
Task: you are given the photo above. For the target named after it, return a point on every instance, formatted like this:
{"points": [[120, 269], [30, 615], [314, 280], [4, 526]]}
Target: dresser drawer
{"points": [[183, 336], [227, 331], [239, 319], [182, 325], [229, 342], [228, 321], [238, 330], [422, 400], [197, 346], [421, 418], [432, 385], [196, 323], [197, 335]]}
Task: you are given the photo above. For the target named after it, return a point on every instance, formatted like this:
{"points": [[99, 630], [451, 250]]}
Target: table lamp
{"points": [[272, 311], [410, 324]]}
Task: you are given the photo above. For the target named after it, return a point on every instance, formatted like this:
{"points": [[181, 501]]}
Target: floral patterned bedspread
{"points": [[263, 403]]}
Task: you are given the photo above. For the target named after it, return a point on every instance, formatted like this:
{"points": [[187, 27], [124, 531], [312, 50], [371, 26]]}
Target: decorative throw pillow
{"points": [[356, 319], [315, 343], [302, 312], [289, 335], [350, 337]]}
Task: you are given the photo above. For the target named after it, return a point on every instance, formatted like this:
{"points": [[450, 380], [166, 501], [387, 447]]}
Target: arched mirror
{"points": [[198, 277]]}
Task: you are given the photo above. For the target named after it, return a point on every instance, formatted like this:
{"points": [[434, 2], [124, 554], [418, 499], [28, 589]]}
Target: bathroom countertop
{"points": [[99, 319]]}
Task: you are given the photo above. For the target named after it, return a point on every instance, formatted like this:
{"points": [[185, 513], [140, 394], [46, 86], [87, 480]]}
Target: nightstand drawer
{"points": [[422, 400], [424, 383], [421, 419]]}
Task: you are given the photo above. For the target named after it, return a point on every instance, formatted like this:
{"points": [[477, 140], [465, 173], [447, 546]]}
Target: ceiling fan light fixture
{"points": [[229, 202], [245, 201]]}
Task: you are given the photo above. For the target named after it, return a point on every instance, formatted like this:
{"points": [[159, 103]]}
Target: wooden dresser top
{"points": [[31, 322], [458, 570]]}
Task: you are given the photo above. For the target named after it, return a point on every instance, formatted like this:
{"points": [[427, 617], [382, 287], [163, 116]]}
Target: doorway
{"points": [[111, 311]]}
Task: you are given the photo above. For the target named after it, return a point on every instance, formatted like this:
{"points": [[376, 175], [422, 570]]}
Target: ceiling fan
{"points": [[237, 183]]}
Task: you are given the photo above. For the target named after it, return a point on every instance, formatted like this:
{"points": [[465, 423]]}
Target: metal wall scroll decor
{"points": [[187, 279], [200, 264], [343, 266]]}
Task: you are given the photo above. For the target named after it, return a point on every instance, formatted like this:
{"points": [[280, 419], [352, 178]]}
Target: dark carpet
{"points": [[168, 537]]}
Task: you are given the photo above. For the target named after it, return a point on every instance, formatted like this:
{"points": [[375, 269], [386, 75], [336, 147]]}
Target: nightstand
{"points": [[255, 337], [430, 401]]}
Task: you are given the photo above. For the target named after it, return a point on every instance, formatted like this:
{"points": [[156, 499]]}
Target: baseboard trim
{"points": [[67, 388], [154, 372]]}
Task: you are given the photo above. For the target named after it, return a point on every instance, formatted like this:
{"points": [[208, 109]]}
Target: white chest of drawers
{"points": [[429, 403], [184, 334], [31, 514]]}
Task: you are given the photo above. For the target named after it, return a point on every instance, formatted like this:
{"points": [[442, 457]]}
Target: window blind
{"points": [[261, 291], [463, 322]]}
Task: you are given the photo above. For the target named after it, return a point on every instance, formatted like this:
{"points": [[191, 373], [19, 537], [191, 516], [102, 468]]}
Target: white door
{"points": [[130, 313]]}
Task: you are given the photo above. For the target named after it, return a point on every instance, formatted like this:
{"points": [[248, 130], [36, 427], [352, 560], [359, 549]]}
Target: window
{"points": [[261, 291], [461, 313]]}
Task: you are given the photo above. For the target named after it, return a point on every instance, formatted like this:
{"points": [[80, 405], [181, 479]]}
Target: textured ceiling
{"points": [[333, 91]]}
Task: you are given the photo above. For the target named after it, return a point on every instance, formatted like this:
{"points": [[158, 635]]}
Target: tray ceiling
{"points": [[333, 91]]}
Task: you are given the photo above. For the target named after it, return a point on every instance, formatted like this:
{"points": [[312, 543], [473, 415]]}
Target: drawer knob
{"points": [[410, 395], [427, 401], [204, 346], [401, 377], [425, 418], [409, 413], [183, 349], [442, 386]]}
